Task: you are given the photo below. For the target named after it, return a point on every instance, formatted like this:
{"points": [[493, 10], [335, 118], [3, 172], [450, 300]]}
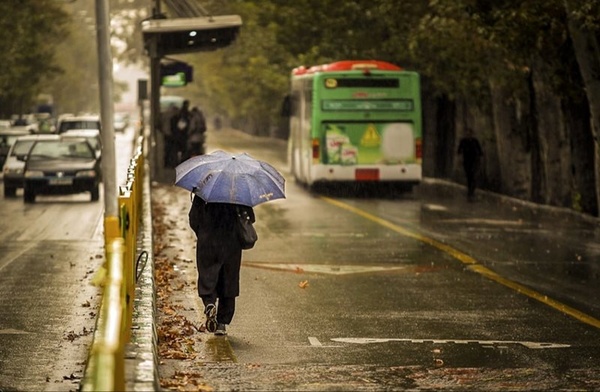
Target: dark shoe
{"points": [[211, 317], [221, 330]]}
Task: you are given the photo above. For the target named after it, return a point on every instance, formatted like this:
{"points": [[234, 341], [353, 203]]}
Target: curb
{"points": [[141, 356], [447, 187]]}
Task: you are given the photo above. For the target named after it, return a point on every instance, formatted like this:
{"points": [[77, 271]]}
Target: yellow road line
{"points": [[473, 264]]}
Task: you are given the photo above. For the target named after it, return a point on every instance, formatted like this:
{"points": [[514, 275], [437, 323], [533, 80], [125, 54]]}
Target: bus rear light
{"points": [[315, 149], [366, 174], [419, 148]]}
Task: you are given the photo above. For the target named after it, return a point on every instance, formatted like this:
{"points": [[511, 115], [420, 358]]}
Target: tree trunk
{"points": [[587, 52], [512, 146], [538, 147], [445, 136], [577, 116], [554, 155]]}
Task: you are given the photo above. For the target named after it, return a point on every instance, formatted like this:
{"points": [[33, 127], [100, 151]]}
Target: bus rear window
{"points": [[361, 82]]}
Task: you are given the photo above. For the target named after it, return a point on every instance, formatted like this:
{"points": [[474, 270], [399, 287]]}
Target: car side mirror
{"points": [[22, 158]]}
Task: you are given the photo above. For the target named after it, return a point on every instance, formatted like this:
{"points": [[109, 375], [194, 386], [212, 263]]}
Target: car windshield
{"points": [[57, 149], [8, 140], [79, 124], [21, 147], [93, 140]]}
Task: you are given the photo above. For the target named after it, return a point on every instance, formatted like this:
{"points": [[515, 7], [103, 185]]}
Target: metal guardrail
{"points": [[106, 364]]}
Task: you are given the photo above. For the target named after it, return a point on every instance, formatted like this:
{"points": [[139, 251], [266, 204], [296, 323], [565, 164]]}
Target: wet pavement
{"points": [[49, 253], [395, 295]]}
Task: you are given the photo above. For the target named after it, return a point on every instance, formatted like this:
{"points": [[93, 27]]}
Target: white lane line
{"points": [[325, 269], [11, 331], [314, 341], [17, 255], [527, 344]]}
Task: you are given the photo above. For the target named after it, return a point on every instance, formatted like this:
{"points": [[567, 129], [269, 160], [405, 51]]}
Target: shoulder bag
{"points": [[246, 232]]}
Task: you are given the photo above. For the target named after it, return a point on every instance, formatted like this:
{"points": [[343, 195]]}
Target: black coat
{"points": [[218, 249]]}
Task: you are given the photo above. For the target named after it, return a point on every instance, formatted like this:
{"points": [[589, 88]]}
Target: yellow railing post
{"points": [[127, 219], [106, 366]]}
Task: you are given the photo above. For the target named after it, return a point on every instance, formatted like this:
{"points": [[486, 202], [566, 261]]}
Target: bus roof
{"points": [[347, 65]]}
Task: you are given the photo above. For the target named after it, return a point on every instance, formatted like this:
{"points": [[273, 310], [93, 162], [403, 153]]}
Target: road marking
{"points": [[527, 344], [473, 264], [11, 331], [474, 221], [323, 269], [16, 256], [314, 341], [434, 207]]}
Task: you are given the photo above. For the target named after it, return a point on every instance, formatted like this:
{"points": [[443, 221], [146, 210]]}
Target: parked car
{"points": [[91, 135], [5, 124], [62, 166], [66, 123], [121, 122], [7, 138], [15, 162], [27, 122]]}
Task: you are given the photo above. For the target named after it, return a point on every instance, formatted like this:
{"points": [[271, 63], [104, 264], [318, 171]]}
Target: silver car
{"points": [[15, 162]]}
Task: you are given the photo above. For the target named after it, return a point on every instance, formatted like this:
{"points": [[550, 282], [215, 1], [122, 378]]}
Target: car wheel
{"points": [[9, 191], [95, 193], [28, 196]]}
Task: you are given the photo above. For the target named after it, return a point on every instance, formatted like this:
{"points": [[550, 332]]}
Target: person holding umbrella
{"points": [[226, 187], [218, 259]]}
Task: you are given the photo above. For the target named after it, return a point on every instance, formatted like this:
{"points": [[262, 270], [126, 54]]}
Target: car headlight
{"points": [[10, 171], [34, 173], [86, 173]]}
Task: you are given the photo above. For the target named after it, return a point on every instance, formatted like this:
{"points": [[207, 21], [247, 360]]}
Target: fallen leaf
{"points": [[303, 284]]}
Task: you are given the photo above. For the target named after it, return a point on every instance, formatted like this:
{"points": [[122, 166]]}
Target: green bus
{"points": [[355, 121]]}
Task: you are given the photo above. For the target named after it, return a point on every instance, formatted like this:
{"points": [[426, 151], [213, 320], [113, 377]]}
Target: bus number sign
{"points": [[373, 105]]}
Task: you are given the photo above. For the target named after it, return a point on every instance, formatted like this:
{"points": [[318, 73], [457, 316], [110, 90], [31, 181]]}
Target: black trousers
{"points": [[218, 263], [471, 174], [225, 307]]}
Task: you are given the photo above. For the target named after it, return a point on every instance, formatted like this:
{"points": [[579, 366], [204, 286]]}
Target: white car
{"points": [[15, 162], [91, 135], [67, 123]]}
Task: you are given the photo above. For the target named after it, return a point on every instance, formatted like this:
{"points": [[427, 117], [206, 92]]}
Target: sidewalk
{"points": [[142, 360]]}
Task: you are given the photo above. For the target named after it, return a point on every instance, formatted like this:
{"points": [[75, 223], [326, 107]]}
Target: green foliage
{"points": [[30, 29], [75, 89], [459, 46], [126, 18]]}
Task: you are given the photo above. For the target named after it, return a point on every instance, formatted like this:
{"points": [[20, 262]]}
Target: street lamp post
{"points": [[109, 176]]}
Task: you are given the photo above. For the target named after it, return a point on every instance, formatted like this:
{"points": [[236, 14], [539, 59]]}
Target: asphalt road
{"points": [[49, 253], [362, 290], [345, 290]]}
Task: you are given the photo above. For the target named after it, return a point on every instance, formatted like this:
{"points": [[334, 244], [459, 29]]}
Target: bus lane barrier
{"points": [[105, 370]]}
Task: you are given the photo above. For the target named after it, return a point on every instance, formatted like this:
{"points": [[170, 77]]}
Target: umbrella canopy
{"points": [[220, 177]]}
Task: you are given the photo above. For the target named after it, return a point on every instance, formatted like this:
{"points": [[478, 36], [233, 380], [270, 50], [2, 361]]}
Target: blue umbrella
{"points": [[220, 177]]}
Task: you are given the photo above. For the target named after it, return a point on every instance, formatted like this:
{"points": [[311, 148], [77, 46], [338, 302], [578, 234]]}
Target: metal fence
{"points": [[106, 364]]}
